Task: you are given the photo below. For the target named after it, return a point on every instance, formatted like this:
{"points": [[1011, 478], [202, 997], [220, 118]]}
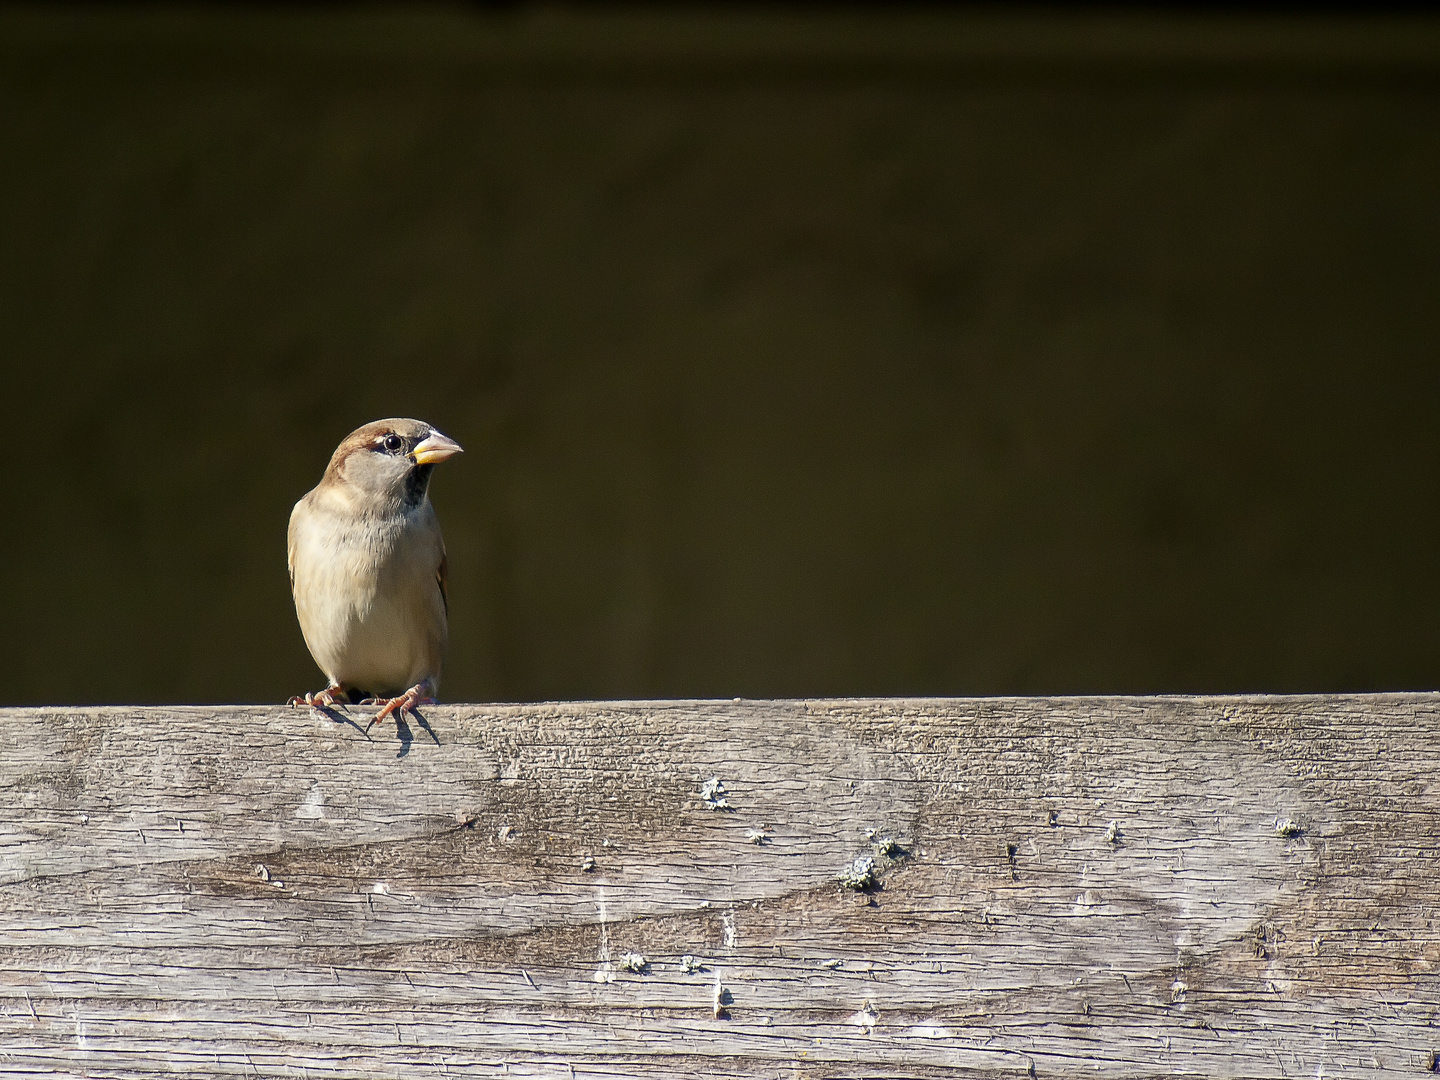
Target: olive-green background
{"points": [[806, 354]]}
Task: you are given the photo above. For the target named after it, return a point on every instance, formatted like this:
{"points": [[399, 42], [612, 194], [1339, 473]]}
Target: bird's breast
{"points": [[366, 595]]}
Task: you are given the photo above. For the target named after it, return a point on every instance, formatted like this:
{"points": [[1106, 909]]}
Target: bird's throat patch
{"points": [[417, 482]]}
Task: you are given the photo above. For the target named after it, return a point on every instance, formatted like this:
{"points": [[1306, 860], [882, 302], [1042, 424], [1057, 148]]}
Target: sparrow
{"points": [[368, 569]]}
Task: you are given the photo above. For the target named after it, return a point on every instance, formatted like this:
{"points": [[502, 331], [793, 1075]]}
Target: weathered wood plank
{"points": [[1113, 887]]}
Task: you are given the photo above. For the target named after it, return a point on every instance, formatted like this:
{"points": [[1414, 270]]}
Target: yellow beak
{"points": [[434, 449]]}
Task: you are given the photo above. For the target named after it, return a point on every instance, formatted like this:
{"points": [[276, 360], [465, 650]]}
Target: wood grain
{"points": [[1122, 887]]}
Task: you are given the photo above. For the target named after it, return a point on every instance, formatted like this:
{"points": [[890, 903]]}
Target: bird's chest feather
{"points": [[363, 594]]}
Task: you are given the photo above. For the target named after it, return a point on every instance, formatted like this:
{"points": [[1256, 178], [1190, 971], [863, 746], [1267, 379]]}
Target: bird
{"points": [[368, 570]]}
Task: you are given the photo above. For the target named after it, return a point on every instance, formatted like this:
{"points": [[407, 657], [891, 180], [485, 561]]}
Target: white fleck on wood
{"points": [[1123, 887]]}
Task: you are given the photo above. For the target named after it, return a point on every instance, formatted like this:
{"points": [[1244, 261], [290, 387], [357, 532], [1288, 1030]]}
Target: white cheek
{"points": [[375, 474]]}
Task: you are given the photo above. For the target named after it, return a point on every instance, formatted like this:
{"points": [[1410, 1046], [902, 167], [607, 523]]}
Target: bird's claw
{"points": [[324, 699], [411, 699]]}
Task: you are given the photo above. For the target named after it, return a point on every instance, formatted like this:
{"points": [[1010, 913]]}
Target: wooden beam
{"points": [[1113, 887]]}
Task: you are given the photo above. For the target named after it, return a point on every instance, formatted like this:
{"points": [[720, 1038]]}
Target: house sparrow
{"points": [[367, 569]]}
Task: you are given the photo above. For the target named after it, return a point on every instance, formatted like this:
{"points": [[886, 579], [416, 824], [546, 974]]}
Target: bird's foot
{"points": [[419, 694], [325, 699]]}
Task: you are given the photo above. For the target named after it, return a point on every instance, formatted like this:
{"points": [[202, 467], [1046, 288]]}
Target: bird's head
{"points": [[387, 464]]}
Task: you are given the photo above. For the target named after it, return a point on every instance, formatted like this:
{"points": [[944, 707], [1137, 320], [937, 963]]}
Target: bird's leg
{"points": [[331, 695], [419, 694]]}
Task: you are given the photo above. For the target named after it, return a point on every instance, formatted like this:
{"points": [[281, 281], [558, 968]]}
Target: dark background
{"points": [[808, 352]]}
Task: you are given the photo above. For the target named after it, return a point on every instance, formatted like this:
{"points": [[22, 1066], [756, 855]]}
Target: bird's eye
{"points": [[393, 443]]}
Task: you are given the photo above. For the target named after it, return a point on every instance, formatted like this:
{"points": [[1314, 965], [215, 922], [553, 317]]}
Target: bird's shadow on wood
{"points": [[407, 737], [426, 725], [402, 731], [339, 717]]}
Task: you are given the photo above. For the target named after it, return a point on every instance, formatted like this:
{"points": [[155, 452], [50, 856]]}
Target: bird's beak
{"points": [[435, 448]]}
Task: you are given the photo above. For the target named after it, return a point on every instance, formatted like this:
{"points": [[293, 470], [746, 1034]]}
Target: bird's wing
{"points": [[290, 551], [302, 515], [442, 578]]}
